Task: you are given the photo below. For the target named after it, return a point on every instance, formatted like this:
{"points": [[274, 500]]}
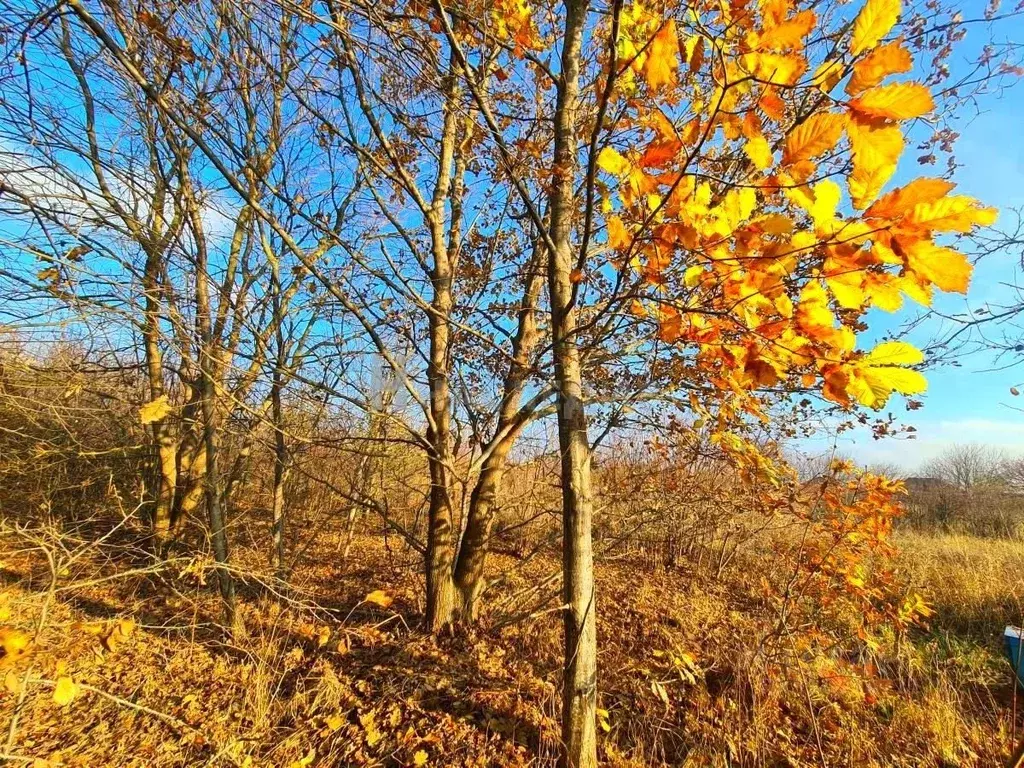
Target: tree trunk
{"points": [[281, 471], [215, 512], [469, 568], [579, 683], [166, 478], [445, 242], [475, 545]]}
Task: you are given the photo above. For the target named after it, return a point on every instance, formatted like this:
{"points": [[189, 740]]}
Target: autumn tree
{"points": [[706, 189], [738, 158]]}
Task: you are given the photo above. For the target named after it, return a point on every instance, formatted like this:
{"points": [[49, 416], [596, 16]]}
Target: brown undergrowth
{"points": [[691, 671]]}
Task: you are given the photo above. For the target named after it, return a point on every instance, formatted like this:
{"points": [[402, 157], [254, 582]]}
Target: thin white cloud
{"points": [[930, 440]]}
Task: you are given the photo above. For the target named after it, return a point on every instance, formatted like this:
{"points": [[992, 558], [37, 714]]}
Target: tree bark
{"points": [[281, 471], [441, 537], [579, 683], [166, 479], [475, 545]]}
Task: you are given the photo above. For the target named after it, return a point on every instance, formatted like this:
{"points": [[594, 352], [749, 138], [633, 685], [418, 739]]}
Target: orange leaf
{"points": [[662, 57], [694, 52], [888, 60], [958, 213], [873, 23], [901, 201], [816, 135], [899, 101], [772, 105], [658, 153], [949, 270], [789, 34]]}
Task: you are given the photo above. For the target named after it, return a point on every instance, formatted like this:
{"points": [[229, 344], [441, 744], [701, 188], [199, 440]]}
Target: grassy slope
{"points": [[684, 681]]}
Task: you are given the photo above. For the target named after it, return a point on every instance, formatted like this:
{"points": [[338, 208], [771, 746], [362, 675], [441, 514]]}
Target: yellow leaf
{"points": [[759, 152], [827, 75], [815, 136], [334, 722], [894, 353], [65, 690], [887, 60], [305, 761], [873, 23], [775, 68], [379, 597], [899, 101], [618, 236], [884, 380], [693, 275], [957, 213], [420, 758], [949, 270], [611, 161], [15, 644], [12, 682], [876, 150], [820, 202], [154, 410], [662, 57]]}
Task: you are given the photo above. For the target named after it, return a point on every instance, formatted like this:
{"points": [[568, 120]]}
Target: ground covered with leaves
{"points": [[109, 661]]}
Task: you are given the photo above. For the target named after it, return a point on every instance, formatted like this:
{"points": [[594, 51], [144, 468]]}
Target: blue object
{"points": [[1013, 646]]}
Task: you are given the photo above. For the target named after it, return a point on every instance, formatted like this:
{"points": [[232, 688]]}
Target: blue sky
{"points": [[970, 402]]}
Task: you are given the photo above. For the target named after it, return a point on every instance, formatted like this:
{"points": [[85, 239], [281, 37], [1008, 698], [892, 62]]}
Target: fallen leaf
{"points": [[379, 597], [65, 690]]}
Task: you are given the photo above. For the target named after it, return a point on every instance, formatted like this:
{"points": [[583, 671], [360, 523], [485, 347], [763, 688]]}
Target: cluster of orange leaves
{"points": [[837, 562], [758, 261]]}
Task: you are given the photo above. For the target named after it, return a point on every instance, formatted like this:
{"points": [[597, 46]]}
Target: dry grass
{"points": [[348, 683]]}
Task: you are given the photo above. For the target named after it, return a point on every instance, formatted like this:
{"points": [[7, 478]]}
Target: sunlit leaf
{"points": [[815, 136], [154, 410], [899, 101], [874, 22], [65, 690], [889, 59], [379, 597]]}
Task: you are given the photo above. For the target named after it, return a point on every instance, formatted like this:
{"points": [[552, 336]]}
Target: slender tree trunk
{"points": [[445, 242], [579, 685], [166, 479], [215, 512], [210, 369], [281, 472], [475, 545]]}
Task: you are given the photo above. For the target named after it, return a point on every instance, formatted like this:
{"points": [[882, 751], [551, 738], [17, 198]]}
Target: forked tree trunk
{"points": [[475, 545], [579, 684], [469, 568]]}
